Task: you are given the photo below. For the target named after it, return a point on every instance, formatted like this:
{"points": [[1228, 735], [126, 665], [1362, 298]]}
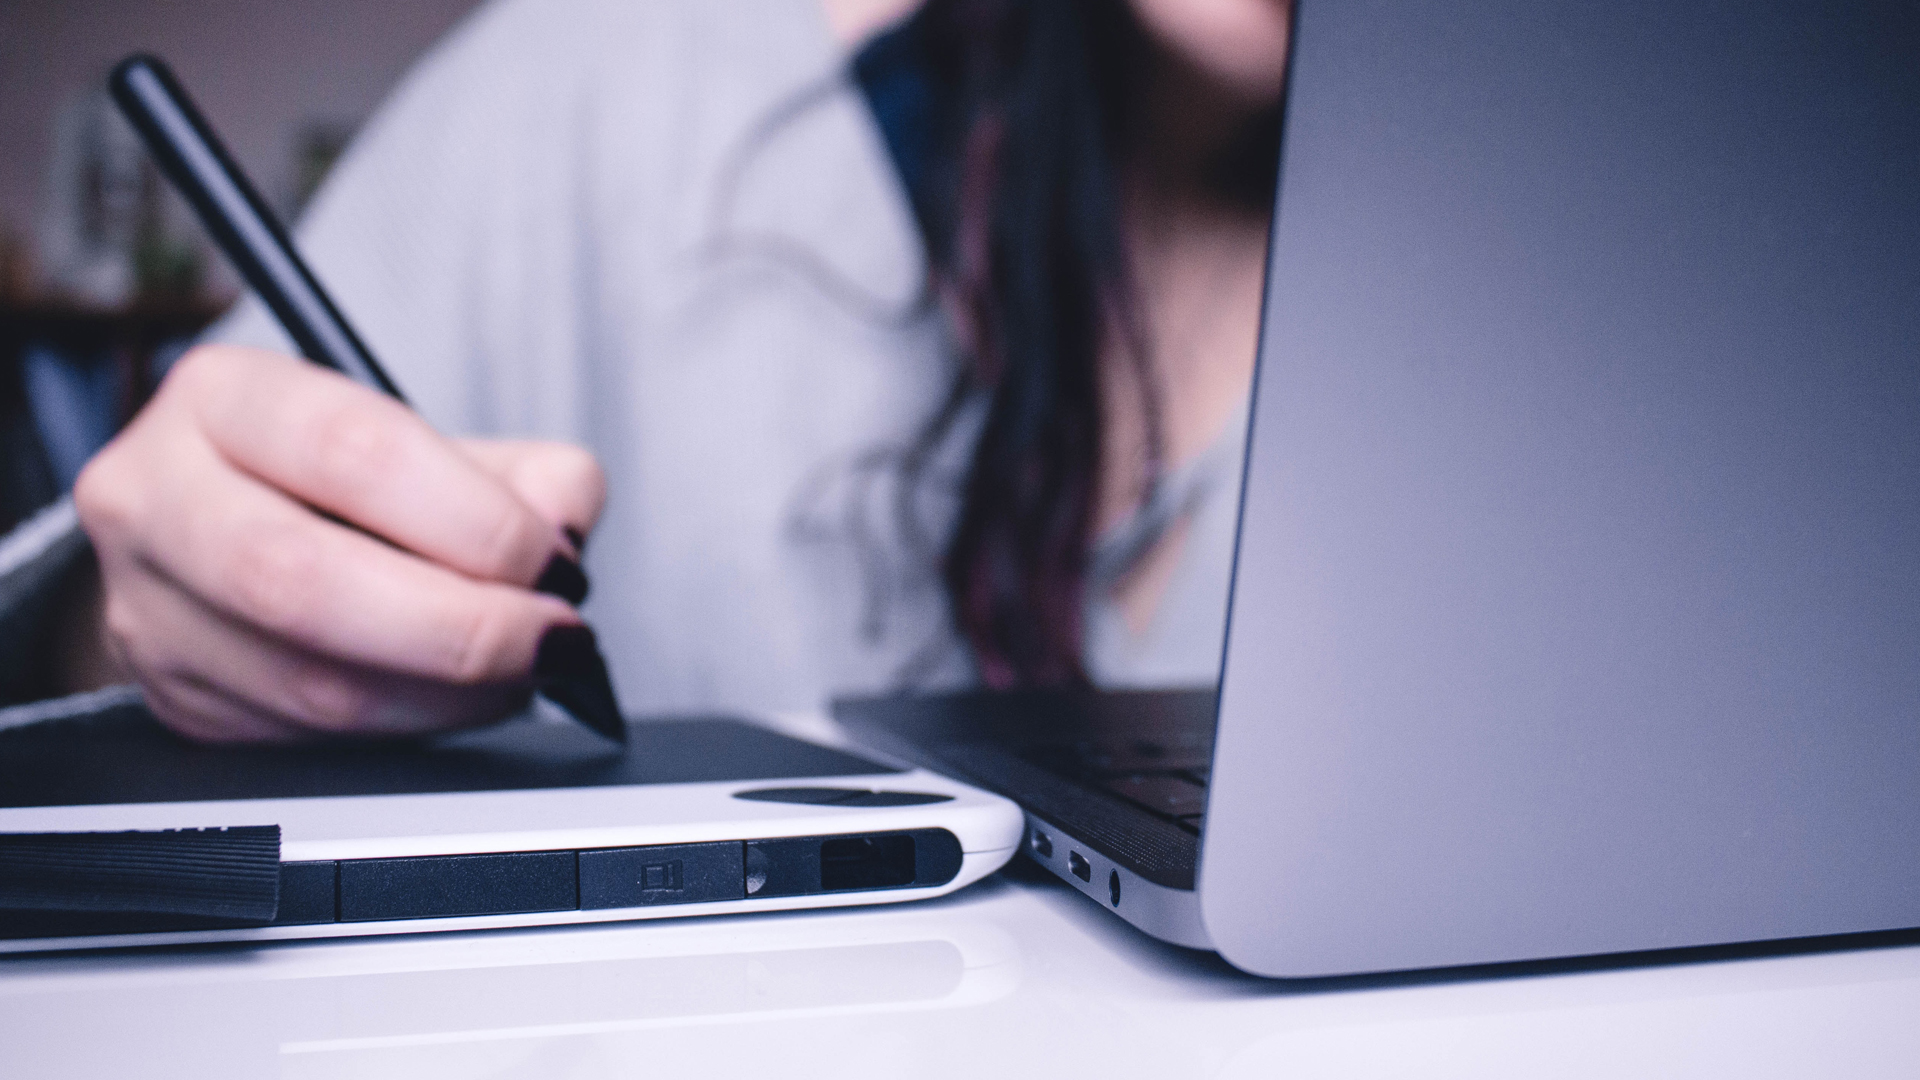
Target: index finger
{"points": [[366, 458]]}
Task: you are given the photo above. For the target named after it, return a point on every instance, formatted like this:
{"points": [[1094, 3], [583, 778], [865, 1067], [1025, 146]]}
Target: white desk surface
{"points": [[1016, 976]]}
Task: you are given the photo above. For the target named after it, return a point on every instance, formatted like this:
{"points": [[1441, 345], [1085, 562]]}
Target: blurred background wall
{"points": [[104, 277], [263, 70]]}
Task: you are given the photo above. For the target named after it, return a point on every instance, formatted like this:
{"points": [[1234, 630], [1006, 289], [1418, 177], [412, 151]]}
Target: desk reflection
{"points": [[535, 1003]]}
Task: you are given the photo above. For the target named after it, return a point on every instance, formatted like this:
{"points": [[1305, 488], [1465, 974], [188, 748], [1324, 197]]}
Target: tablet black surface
{"points": [[122, 755]]}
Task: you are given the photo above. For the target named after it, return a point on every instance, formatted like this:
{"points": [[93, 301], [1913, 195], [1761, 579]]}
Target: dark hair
{"points": [[1010, 122]]}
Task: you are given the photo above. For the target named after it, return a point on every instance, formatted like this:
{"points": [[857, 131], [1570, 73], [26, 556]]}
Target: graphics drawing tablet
{"points": [[527, 823]]}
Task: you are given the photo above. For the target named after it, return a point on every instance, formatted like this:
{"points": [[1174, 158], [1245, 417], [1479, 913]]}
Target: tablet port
{"points": [[866, 862], [1042, 844], [1077, 863], [1113, 887], [804, 865]]}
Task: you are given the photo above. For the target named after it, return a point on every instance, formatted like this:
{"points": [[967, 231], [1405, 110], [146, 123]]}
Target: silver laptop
{"points": [[1577, 598]]}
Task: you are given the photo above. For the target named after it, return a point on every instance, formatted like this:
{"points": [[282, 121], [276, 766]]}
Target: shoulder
{"points": [[525, 96], [520, 49]]}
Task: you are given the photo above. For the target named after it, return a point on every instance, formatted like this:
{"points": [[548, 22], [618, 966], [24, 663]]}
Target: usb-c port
{"points": [[1077, 863]]}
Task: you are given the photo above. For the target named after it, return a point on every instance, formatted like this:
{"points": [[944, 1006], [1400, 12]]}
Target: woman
{"points": [[926, 377]]}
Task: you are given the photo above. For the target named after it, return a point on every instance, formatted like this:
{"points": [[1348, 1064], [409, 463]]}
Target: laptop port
{"points": [[1042, 844], [1077, 863], [1113, 887]]}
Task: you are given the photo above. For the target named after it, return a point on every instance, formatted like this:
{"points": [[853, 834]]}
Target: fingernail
{"points": [[563, 578], [576, 537], [570, 672], [566, 652]]}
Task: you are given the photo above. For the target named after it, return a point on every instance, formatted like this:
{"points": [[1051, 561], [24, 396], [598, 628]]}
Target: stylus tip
{"points": [[571, 673]]}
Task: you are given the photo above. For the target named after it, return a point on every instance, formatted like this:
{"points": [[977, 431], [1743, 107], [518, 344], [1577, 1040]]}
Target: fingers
{"points": [[213, 680], [162, 501], [204, 713], [248, 616], [272, 564], [562, 483], [366, 458]]}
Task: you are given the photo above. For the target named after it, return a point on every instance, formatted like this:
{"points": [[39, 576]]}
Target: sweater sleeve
{"points": [[39, 560]]}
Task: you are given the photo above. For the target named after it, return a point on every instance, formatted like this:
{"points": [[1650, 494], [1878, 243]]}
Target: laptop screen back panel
{"points": [[1577, 604]]}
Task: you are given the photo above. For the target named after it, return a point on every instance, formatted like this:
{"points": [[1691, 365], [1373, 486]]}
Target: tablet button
{"points": [[662, 874], [439, 886], [309, 893]]}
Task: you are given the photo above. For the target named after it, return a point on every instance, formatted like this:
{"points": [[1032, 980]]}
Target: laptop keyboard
{"points": [[1166, 779]]}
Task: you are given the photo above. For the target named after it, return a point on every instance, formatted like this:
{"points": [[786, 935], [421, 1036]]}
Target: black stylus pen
{"points": [[570, 670]]}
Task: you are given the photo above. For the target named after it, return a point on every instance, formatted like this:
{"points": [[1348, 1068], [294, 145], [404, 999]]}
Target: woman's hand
{"points": [[286, 554]]}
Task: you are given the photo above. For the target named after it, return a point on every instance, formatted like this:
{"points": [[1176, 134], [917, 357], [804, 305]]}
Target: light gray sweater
{"points": [[669, 231]]}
